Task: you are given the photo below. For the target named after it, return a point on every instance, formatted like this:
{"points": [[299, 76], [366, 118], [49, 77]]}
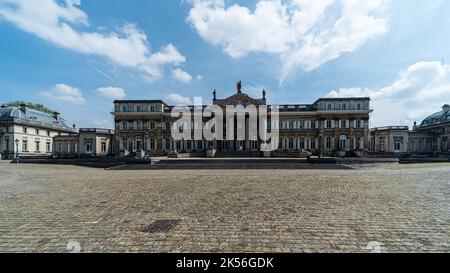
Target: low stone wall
{"points": [[94, 163], [423, 160]]}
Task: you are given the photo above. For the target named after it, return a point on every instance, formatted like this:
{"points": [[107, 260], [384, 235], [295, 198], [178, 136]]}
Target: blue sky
{"points": [[78, 56]]}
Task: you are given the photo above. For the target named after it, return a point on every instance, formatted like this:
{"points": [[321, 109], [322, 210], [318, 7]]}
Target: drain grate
{"points": [[161, 226]]}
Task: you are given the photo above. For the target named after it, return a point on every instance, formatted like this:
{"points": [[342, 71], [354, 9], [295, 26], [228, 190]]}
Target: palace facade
{"points": [[328, 127], [431, 138], [87, 143], [29, 133]]}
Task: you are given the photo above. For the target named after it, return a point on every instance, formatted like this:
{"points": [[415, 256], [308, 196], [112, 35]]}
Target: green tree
{"points": [[35, 106]]}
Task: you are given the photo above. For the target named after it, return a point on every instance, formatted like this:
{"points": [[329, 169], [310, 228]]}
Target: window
{"points": [[38, 146], [124, 144], [329, 107], [358, 143], [25, 146], [49, 147], [302, 124], [328, 143], [89, 147], [398, 141], [138, 108], [124, 109], [254, 145], [381, 144], [189, 145], [358, 123], [152, 144], [124, 125], [291, 144], [48, 133], [103, 147], [302, 144], [329, 124], [199, 145], [167, 145], [358, 106], [343, 124], [37, 131], [138, 144], [6, 145], [152, 125], [152, 108], [343, 143], [25, 131]]}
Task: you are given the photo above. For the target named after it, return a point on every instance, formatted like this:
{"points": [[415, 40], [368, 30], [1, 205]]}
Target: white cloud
{"points": [[418, 92], [179, 99], [199, 77], [114, 93], [181, 75], [65, 93], [55, 22], [304, 33]]}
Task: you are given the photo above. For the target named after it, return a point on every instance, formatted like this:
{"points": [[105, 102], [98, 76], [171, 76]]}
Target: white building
{"points": [[28, 132]]}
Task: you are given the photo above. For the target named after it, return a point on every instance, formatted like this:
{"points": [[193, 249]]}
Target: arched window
{"points": [[343, 143]]}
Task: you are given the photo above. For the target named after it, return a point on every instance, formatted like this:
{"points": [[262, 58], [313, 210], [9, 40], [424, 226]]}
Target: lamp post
{"points": [[17, 150]]}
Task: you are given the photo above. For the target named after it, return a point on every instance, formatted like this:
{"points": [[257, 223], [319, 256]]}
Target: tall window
{"points": [[152, 144], [189, 145], [291, 124], [302, 124], [25, 146], [343, 143], [49, 147], [25, 130], [254, 145], [37, 131], [89, 147], [291, 144], [103, 147], [343, 124], [38, 146], [358, 143], [358, 123], [328, 143], [124, 125], [382, 144], [329, 124], [152, 125]]}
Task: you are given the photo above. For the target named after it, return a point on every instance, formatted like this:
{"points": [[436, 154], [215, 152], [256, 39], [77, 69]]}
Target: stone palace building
{"points": [[428, 139], [29, 133], [328, 127]]}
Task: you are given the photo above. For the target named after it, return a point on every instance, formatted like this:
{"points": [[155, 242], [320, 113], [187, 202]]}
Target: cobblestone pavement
{"points": [[405, 209]]}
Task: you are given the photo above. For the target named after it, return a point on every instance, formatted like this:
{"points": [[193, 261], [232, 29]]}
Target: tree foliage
{"points": [[34, 106]]}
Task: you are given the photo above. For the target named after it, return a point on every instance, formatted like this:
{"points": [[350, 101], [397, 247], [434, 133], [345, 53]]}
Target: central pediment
{"points": [[239, 99]]}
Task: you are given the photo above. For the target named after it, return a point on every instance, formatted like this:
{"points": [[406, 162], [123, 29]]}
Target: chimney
{"points": [[56, 115], [23, 108], [446, 108]]}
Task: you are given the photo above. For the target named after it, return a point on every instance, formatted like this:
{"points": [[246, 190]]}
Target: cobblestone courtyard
{"points": [[405, 208]]}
